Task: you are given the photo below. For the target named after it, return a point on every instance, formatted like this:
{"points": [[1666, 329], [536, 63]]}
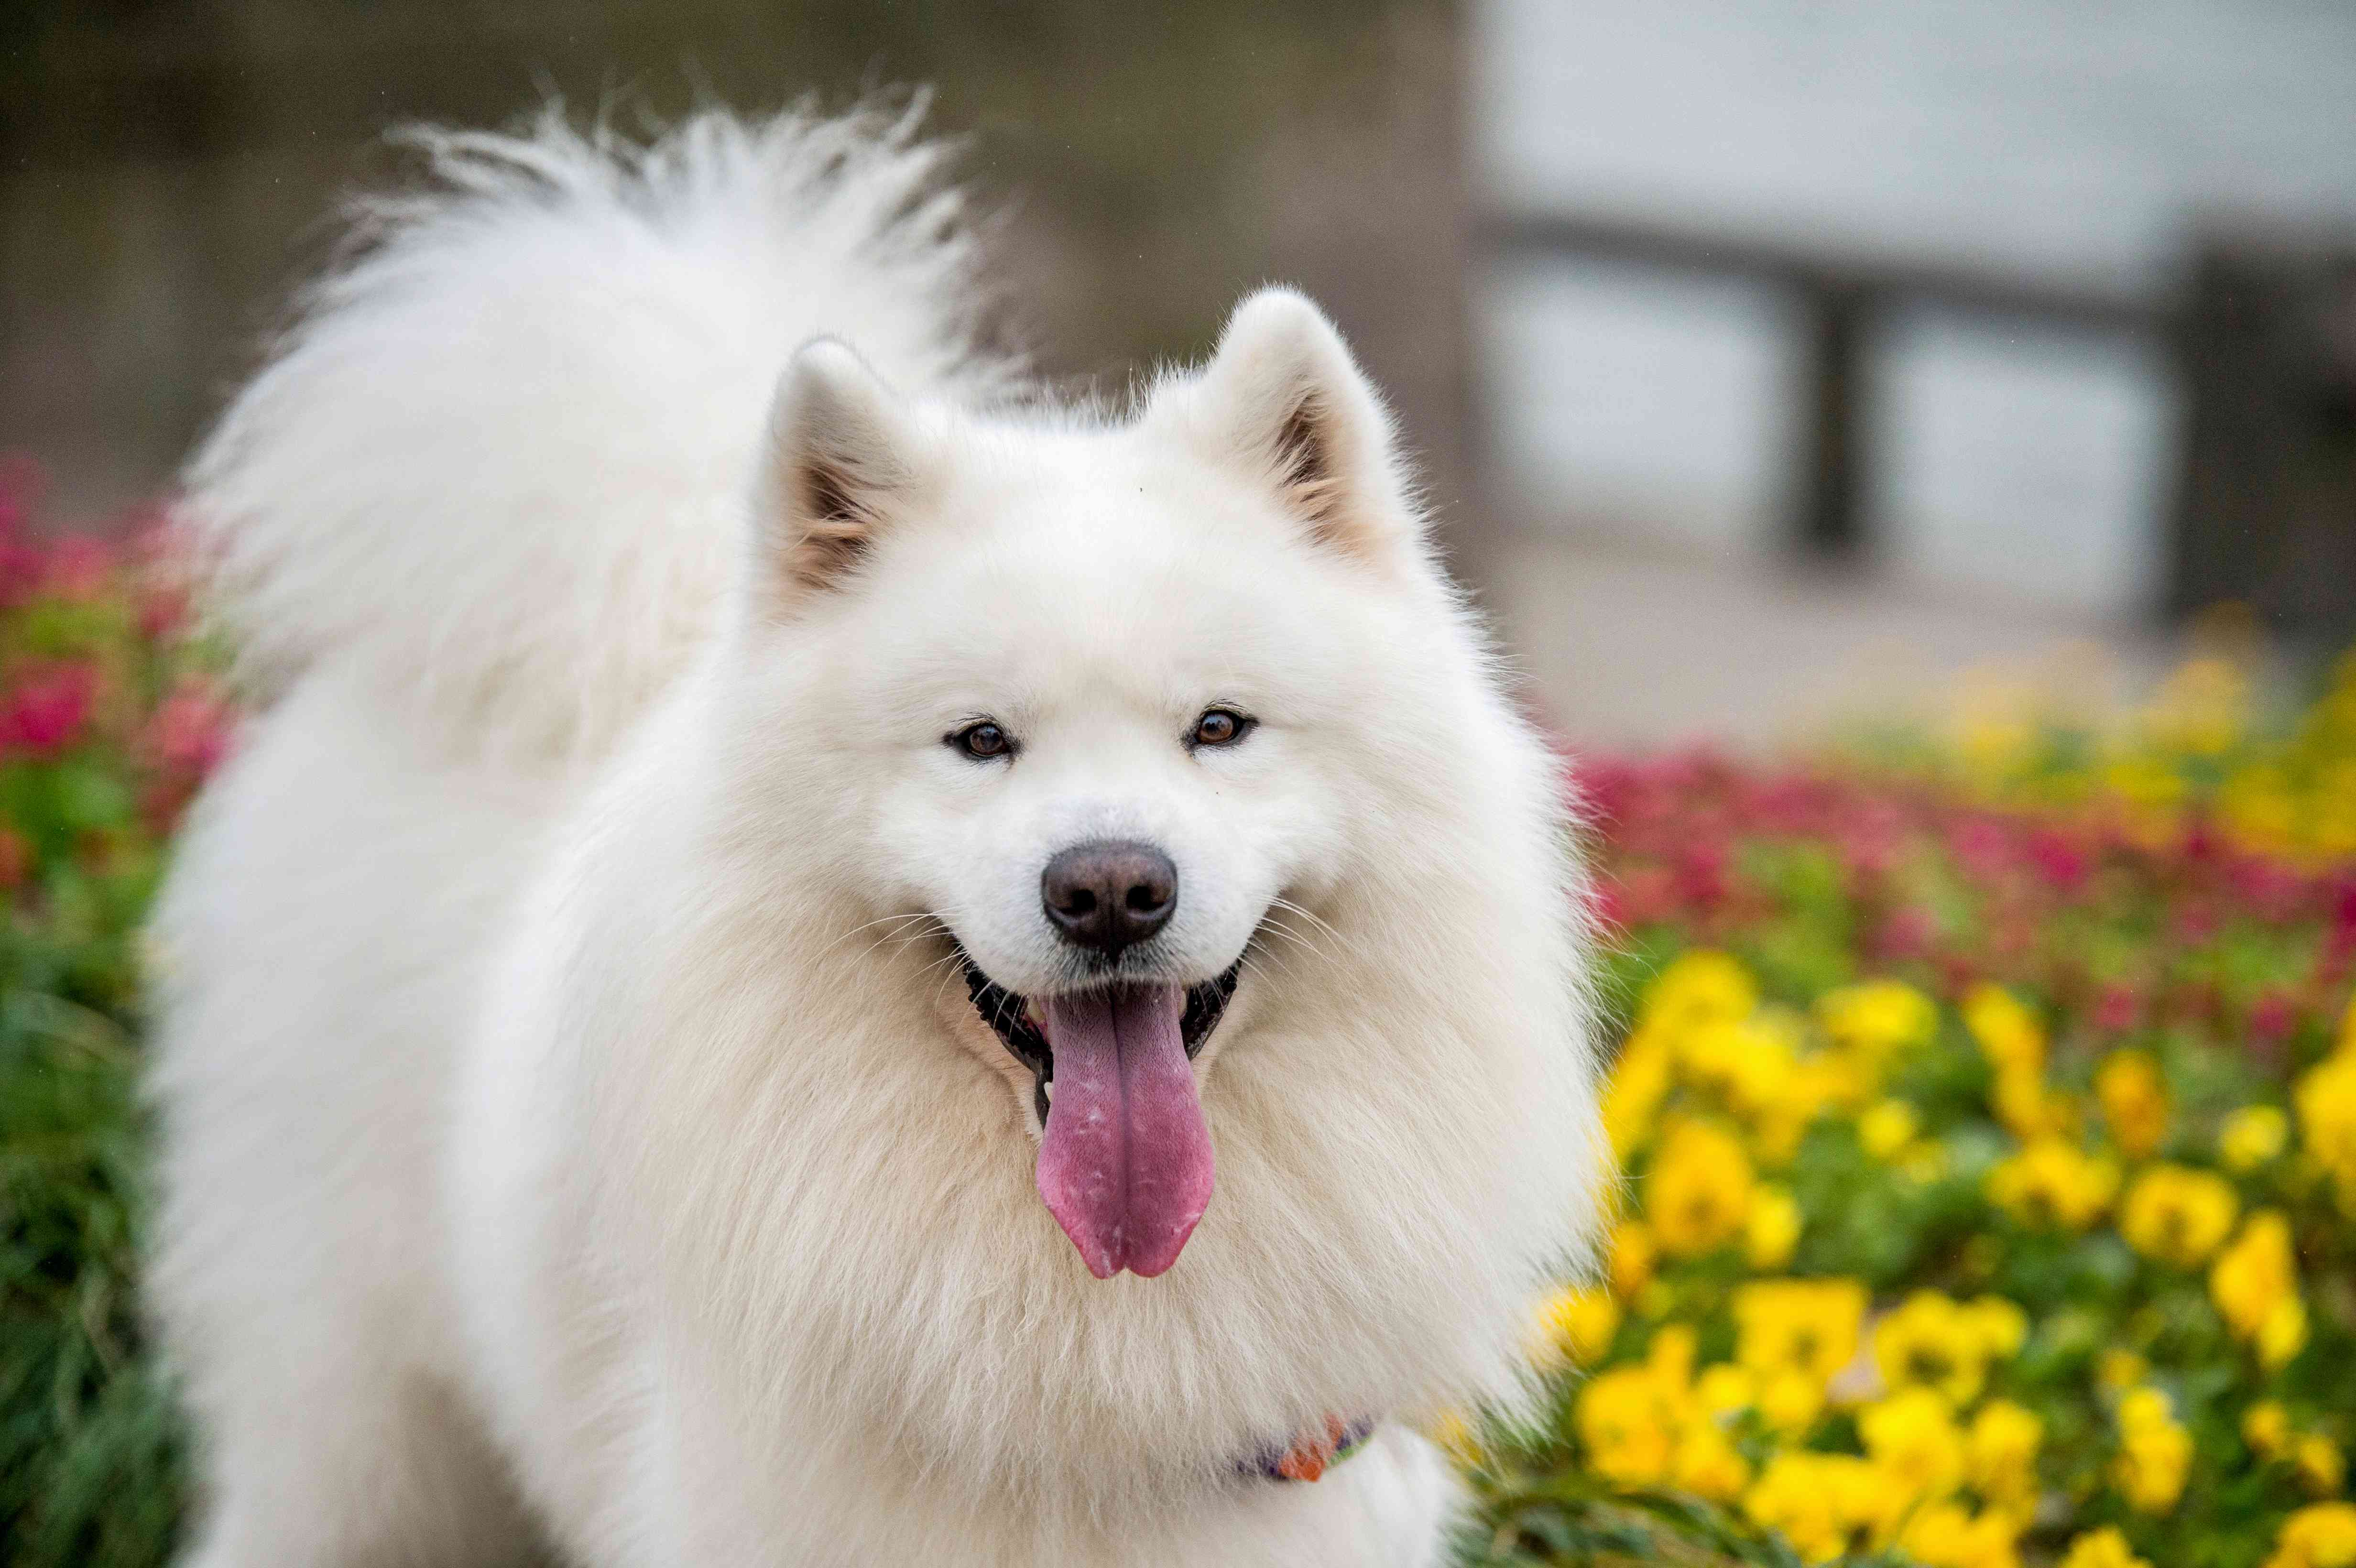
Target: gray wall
{"points": [[169, 170]]}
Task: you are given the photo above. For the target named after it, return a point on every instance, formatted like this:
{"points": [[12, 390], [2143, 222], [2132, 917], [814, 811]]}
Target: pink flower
{"points": [[1701, 876], [2118, 1008], [1982, 847], [190, 731], [47, 709], [2272, 1018], [1906, 933], [1643, 895], [80, 568], [2063, 864]]}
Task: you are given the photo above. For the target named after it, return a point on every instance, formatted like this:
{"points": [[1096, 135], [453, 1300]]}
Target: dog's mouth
{"points": [[1020, 1022], [1124, 1151]]}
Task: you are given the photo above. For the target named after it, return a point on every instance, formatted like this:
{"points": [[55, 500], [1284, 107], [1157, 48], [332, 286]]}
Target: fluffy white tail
{"points": [[502, 459]]}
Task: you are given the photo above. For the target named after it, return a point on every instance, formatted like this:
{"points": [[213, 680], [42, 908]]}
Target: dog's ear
{"points": [[842, 459], [1284, 399]]}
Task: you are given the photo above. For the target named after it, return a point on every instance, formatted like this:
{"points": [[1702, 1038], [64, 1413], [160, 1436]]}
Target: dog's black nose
{"points": [[1111, 894]]}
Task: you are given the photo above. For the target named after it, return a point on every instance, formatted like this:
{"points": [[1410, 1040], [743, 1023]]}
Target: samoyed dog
{"points": [[814, 958]]}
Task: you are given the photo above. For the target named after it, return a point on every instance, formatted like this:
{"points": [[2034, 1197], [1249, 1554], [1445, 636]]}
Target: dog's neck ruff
{"points": [[1311, 1456]]}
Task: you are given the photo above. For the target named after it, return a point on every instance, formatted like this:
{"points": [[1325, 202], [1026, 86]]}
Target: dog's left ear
{"points": [[1284, 399], [843, 462]]}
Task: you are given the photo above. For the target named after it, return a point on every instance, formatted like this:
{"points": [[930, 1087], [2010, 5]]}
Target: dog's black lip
{"points": [[1008, 1016]]}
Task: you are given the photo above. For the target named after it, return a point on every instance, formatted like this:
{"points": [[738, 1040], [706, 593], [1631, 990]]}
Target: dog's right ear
{"points": [[1283, 400], [842, 461]]}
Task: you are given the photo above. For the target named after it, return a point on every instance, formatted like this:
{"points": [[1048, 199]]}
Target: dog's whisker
{"points": [[1312, 916], [1278, 928], [899, 922]]}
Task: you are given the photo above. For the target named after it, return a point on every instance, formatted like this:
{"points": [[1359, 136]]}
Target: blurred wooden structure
{"points": [[2264, 342], [2266, 511]]}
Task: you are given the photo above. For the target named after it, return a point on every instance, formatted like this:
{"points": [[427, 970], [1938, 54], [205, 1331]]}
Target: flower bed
{"points": [[1989, 1113], [108, 720], [1989, 1138]]}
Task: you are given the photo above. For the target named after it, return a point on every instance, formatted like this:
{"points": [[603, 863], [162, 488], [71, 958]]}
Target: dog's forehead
{"points": [[1101, 488], [1109, 516]]}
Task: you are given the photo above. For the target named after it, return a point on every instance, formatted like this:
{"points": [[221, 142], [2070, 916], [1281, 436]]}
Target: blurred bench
{"points": [[2264, 339]]}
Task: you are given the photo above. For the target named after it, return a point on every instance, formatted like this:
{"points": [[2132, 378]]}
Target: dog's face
{"points": [[1110, 716]]}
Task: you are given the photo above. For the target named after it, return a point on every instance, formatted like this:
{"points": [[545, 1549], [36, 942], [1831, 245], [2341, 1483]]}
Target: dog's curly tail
{"points": [[500, 464]]}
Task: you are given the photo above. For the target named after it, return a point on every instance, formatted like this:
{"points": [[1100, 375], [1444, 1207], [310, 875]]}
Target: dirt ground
{"points": [[1623, 647]]}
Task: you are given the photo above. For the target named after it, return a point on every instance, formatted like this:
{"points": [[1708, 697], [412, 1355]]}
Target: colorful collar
{"points": [[1311, 1456]]}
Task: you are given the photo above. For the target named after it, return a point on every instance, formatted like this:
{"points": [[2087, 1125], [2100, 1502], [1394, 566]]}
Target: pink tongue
{"points": [[1125, 1164]]}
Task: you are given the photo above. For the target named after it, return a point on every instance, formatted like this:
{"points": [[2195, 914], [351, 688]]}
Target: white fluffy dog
{"points": [[843, 968]]}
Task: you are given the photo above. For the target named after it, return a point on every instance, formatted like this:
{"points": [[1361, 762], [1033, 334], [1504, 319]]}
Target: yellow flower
{"points": [[1807, 1327], [2177, 1215], [1633, 1255], [1878, 1018], [1772, 1229], [1574, 1328], [2320, 1466], [2326, 1100], [1933, 1342], [1791, 1401], [2053, 1182], [1701, 986], [2266, 1427], [2008, 1032], [2134, 1098], [1914, 1444], [1628, 1422], [1821, 1503], [2251, 1137], [1707, 1464], [2320, 1536], [2103, 1548], [1888, 1127], [1639, 1082], [2154, 1453], [2255, 1282], [2202, 708], [1697, 1193], [2002, 1326], [2259, 808], [2283, 1333], [2001, 1455], [1944, 1536], [1670, 1356], [2120, 1370], [1748, 1062], [1724, 1389], [2029, 1110]]}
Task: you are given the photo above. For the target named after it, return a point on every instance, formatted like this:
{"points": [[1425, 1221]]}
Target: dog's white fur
{"points": [[575, 1125]]}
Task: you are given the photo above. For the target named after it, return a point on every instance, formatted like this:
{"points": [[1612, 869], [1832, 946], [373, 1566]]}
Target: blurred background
{"points": [[1767, 357]]}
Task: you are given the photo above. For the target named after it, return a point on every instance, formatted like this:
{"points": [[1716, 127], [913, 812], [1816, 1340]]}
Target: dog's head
{"points": [[1118, 707]]}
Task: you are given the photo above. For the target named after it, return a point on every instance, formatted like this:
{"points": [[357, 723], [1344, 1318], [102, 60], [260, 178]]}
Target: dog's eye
{"points": [[982, 740], [1220, 727]]}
